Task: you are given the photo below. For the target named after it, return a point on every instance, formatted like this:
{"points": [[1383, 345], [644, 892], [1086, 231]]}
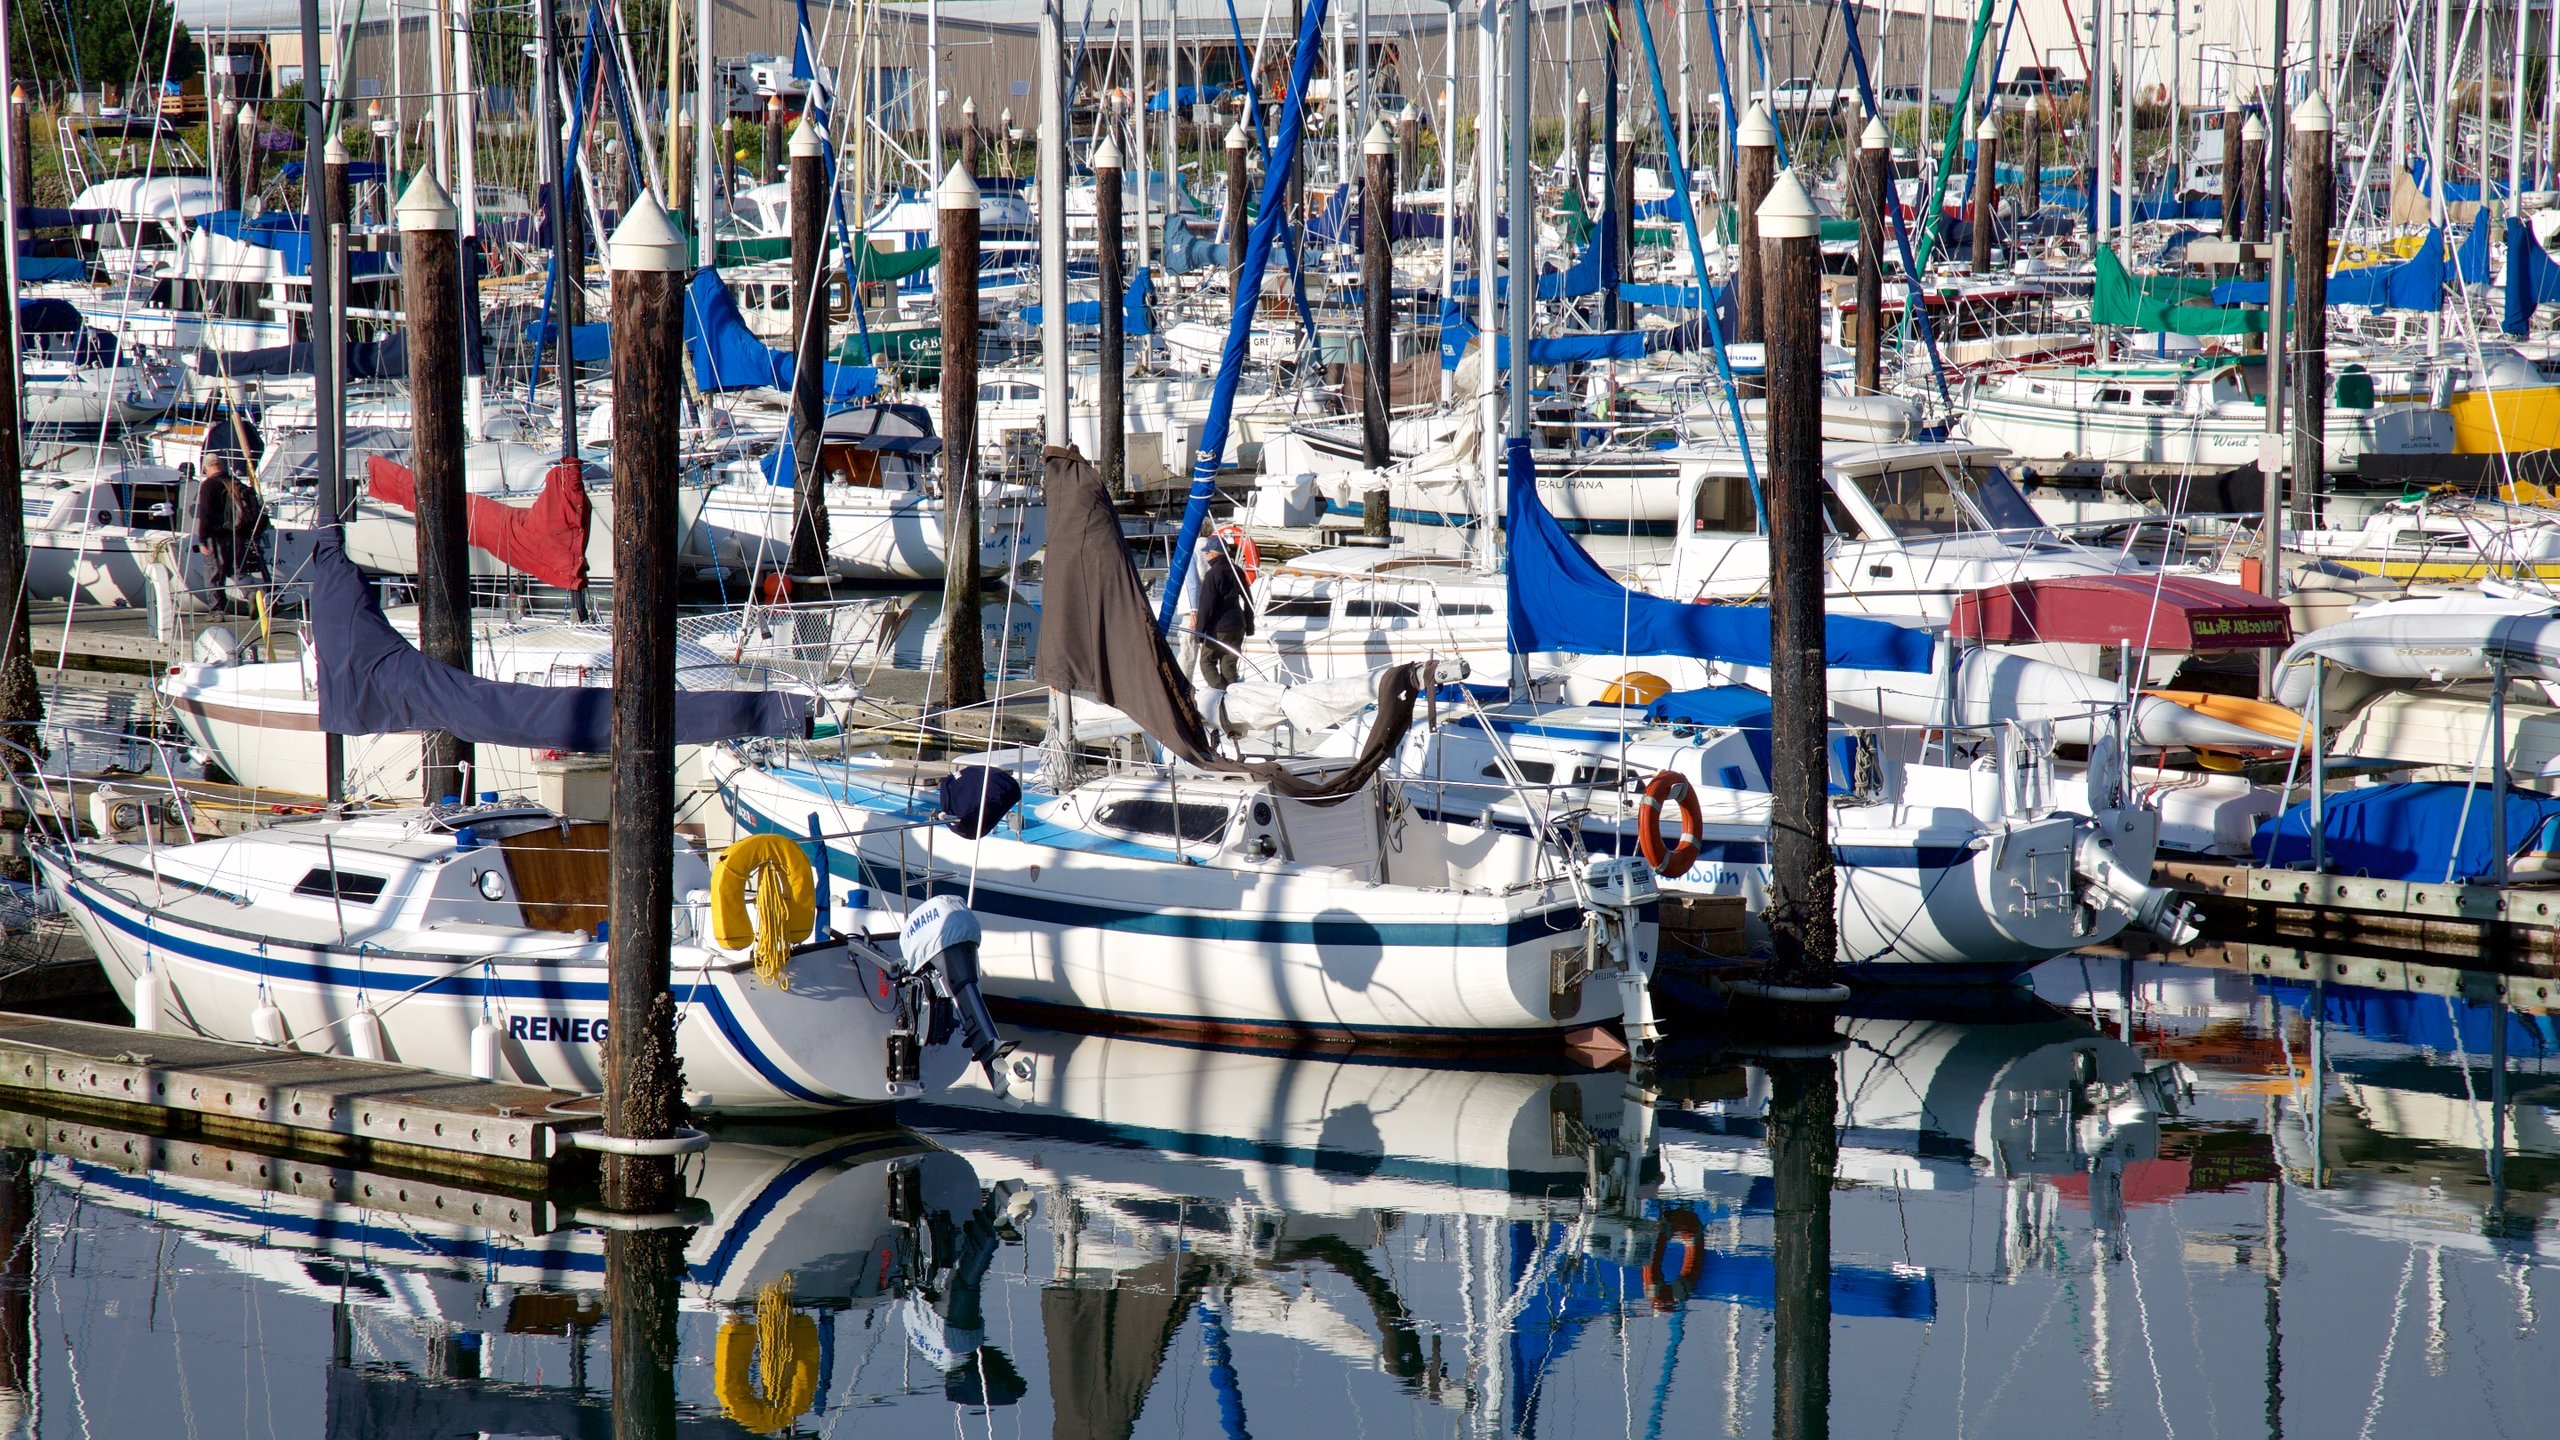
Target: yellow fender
{"points": [[788, 892], [790, 1378]]}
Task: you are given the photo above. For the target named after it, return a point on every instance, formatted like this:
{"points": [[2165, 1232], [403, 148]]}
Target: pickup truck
{"points": [[1801, 95]]}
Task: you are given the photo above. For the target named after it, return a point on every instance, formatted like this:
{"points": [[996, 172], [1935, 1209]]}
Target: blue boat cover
{"points": [[48, 317], [1561, 600], [587, 343], [32, 217], [1456, 330], [373, 682], [2454, 194], [1134, 307], [728, 356], [2440, 1023], [383, 359], [33, 268], [2406, 831], [2533, 278], [1737, 706], [1163, 100], [288, 233]]}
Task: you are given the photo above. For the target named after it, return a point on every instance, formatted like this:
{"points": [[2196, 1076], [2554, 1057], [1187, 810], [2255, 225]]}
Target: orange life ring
{"points": [[1240, 545], [1673, 786], [774, 588], [1684, 1226]]}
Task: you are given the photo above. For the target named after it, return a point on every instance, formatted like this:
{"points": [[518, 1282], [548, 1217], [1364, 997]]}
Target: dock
{"points": [[2302, 907], [294, 1106]]}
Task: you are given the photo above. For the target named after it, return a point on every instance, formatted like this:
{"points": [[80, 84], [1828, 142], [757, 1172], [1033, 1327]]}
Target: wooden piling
{"points": [[1377, 315], [2234, 198], [249, 157], [2314, 200], [1804, 1159], [221, 155], [1622, 210], [807, 564], [1239, 181], [680, 162], [431, 276], [1756, 169], [774, 142], [1803, 927], [1986, 189], [1110, 426], [644, 1082], [1872, 193], [337, 197], [22, 154], [2253, 179], [972, 140], [964, 663], [2031, 156]]}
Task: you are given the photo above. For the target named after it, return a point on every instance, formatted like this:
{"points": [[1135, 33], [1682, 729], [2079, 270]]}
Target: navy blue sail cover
{"points": [[1561, 600], [373, 682]]}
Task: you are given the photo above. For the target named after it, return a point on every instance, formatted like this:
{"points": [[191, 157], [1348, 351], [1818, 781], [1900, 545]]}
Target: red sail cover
{"points": [[546, 539], [2156, 612]]}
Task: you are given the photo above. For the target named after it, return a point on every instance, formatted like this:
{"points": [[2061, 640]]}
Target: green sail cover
{"points": [[897, 264], [2148, 302]]}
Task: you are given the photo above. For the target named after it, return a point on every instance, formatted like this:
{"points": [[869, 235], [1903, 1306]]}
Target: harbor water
{"points": [[2244, 1207]]}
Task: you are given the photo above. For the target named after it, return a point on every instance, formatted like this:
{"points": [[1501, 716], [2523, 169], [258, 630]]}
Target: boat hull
{"points": [[746, 1047]]}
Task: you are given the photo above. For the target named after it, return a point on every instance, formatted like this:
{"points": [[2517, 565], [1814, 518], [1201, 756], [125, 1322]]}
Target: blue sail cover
{"points": [[1135, 311], [373, 682], [2533, 278], [2406, 831], [288, 233], [1457, 331], [728, 356], [1562, 601]]}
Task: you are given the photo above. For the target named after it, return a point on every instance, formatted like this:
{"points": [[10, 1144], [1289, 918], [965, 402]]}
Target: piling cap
{"points": [[1006, 119], [1106, 156], [1626, 130], [647, 241], [1875, 137], [248, 117], [1378, 141], [1236, 138], [2312, 115], [1582, 96], [969, 107], [17, 94], [425, 206], [959, 189], [806, 141], [1787, 213], [2252, 129], [1756, 132], [335, 152], [1990, 128]]}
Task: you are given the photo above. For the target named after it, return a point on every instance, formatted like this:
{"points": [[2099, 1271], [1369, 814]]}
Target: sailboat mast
{"points": [[1517, 203], [933, 85], [705, 126], [1053, 228]]}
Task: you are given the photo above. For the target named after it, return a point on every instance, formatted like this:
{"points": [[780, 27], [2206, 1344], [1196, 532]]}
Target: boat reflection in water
{"points": [[455, 1313]]}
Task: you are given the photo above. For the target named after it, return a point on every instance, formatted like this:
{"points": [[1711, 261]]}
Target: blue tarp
{"points": [[2533, 278], [727, 355], [1737, 706], [288, 233], [1561, 600], [358, 172], [1161, 101], [587, 343], [32, 217], [48, 317], [1134, 312], [2453, 194], [33, 268], [2405, 831], [1456, 329], [2416, 283]]}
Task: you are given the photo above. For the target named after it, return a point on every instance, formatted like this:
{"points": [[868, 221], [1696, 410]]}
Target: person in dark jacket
{"points": [[230, 519], [1222, 615]]}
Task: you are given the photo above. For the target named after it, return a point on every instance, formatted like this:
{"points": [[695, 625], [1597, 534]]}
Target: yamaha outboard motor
{"points": [[940, 945]]}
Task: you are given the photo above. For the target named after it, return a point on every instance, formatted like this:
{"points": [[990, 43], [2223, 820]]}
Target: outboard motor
{"points": [[938, 956], [2106, 884]]}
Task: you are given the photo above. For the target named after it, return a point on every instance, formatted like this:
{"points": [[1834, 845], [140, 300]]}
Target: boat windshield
{"points": [[1927, 499]]}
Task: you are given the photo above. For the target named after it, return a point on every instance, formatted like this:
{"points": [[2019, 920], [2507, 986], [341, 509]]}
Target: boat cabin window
{"points": [[349, 886], [1996, 496], [1844, 521], [990, 394], [2166, 399], [1914, 502], [1312, 607], [1532, 772], [850, 465], [1382, 610], [1450, 609], [1724, 505], [2114, 395], [1163, 819]]}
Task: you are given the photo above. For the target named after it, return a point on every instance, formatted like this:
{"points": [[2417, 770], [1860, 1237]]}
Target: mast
{"points": [[933, 83], [705, 89], [318, 137], [1053, 228]]}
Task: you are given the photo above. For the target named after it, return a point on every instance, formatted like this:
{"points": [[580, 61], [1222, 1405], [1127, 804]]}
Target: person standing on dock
{"points": [[229, 522], [1222, 616]]}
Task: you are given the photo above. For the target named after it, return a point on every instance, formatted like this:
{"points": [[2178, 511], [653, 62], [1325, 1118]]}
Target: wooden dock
{"points": [[293, 1105], [2457, 918]]}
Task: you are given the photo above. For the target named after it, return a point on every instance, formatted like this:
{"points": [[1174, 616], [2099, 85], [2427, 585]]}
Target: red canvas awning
{"points": [[2155, 612], [546, 539]]}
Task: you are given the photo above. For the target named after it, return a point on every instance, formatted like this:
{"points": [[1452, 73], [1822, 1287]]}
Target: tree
{"points": [[59, 45]]}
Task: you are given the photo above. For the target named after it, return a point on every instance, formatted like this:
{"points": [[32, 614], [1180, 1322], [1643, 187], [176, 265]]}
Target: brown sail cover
{"points": [[1098, 637]]}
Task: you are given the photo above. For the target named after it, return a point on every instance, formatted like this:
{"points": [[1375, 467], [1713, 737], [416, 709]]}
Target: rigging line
{"points": [[2390, 1342]]}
